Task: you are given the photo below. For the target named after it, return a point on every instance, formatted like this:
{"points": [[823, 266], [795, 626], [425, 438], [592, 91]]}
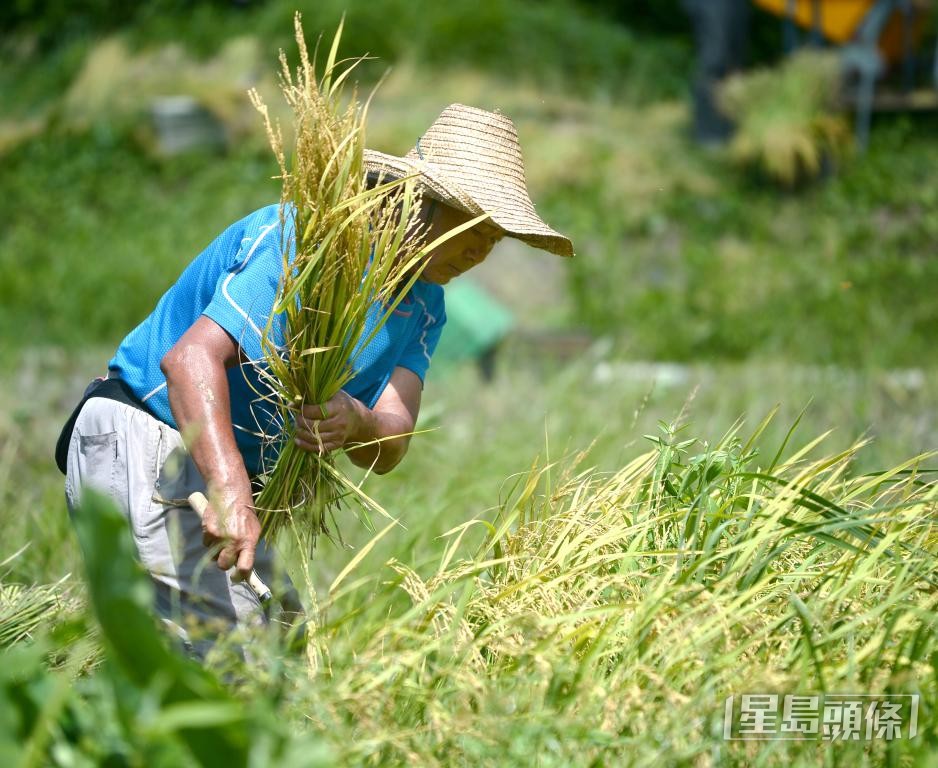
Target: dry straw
{"points": [[348, 250]]}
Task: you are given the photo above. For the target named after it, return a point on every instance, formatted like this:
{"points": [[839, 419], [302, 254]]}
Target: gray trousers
{"points": [[143, 466]]}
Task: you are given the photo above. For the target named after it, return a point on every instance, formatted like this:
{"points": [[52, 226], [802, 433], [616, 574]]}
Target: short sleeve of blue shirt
{"points": [[246, 291], [416, 355]]}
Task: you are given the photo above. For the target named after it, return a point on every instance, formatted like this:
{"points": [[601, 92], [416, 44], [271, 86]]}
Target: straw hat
{"points": [[470, 159]]}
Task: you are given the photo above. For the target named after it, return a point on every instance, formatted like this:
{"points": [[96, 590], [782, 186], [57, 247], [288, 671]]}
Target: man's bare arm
{"points": [[197, 385]]}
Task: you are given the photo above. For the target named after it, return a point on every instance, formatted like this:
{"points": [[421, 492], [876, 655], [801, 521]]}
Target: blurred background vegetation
{"points": [[702, 290], [680, 255], [683, 255]]}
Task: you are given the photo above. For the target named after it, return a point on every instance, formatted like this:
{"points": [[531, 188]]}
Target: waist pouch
{"points": [[112, 389]]}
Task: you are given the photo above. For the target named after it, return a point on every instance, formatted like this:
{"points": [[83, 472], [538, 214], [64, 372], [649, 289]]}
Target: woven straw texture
{"points": [[471, 159]]}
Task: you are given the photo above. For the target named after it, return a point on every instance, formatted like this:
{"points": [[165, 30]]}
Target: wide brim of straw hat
{"points": [[470, 159]]}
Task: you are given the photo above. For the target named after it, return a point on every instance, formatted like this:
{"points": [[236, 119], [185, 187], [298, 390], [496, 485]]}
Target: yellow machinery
{"points": [[874, 35], [842, 21]]}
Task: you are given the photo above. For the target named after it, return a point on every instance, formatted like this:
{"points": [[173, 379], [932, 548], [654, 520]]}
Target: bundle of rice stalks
{"points": [[349, 249], [786, 123]]}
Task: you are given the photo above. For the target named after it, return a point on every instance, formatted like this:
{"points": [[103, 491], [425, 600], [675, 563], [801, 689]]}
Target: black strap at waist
{"points": [[111, 388]]}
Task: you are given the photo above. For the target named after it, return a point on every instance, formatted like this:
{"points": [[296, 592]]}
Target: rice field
{"points": [[554, 593]]}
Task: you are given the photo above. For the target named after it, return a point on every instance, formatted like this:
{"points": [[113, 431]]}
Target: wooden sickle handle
{"points": [[199, 503]]}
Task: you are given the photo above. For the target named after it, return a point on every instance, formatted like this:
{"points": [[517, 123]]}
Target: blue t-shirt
{"points": [[235, 282]]}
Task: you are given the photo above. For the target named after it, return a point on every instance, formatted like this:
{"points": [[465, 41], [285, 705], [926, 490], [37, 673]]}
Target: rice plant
{"points": [[597, 618], [618, 611]]}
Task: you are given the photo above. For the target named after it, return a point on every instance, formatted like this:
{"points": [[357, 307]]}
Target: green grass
{"points": [[722, 266], [94, 223]]}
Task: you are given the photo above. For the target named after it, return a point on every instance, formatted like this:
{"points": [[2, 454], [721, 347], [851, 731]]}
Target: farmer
{"points": [[178, 411]]}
